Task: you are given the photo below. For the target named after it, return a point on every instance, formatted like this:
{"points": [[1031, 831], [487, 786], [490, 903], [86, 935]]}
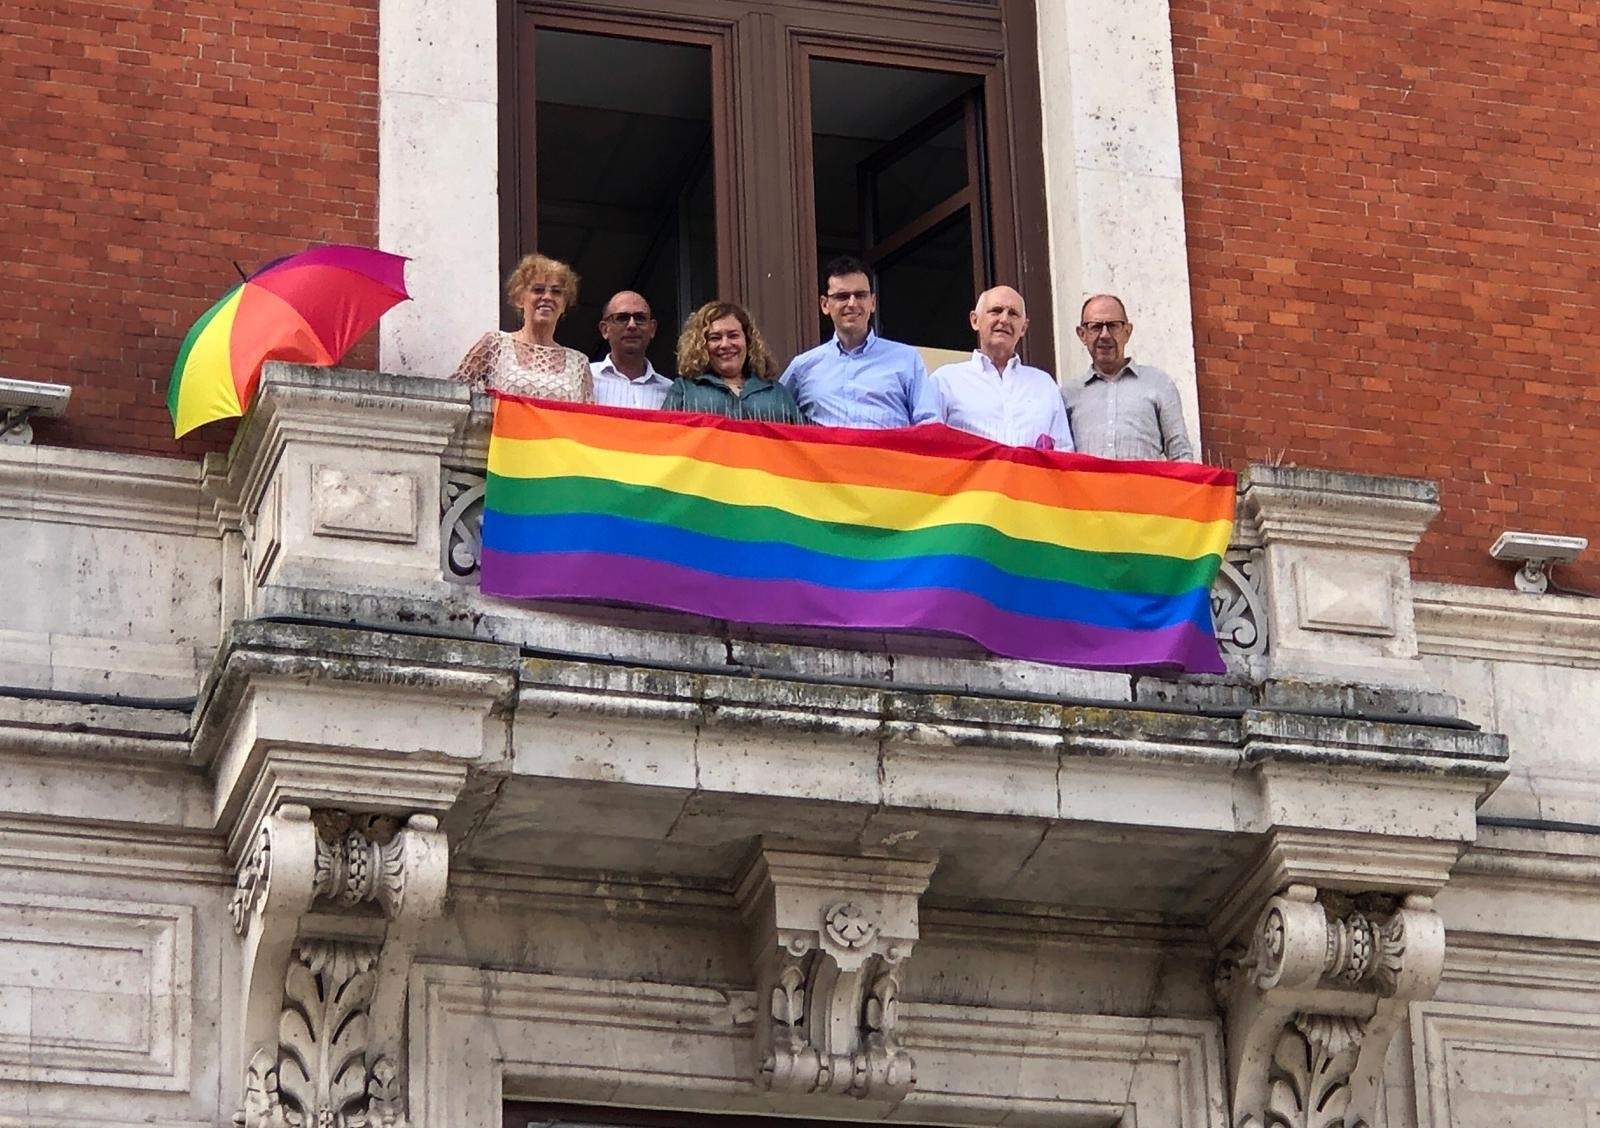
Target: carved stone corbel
{"points": [[323, 1016], [1312, 1005], [831, 936]]}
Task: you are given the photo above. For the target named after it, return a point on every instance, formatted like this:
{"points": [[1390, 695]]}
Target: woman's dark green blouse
{"points": [[759, 399]]}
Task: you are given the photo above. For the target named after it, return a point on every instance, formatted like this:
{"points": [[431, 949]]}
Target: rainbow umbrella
{"points": [[310, 307]]}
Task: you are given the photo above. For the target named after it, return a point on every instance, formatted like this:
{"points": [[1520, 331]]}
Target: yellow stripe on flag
{"points": [[881, 507]]}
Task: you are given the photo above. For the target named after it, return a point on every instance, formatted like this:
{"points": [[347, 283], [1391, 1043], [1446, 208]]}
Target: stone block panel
{"points": [[95, 993], [1488, 1067]]}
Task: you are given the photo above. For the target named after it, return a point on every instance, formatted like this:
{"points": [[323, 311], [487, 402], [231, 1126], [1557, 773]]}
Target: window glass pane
{"points": [[926, 292], [893, 172], [624, 176], [925, 175]]}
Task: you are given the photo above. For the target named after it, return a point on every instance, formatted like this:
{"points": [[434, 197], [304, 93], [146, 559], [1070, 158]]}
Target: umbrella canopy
{"points": [[310, 307]]}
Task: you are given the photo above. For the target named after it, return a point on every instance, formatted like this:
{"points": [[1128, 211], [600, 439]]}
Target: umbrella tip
{"points": [[240, 269]]}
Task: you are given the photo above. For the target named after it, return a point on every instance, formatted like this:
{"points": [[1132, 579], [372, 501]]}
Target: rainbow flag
{"points": [[1052, 557]]}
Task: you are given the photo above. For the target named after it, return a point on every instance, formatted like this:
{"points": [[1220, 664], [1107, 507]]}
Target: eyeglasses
{"points": [[842, 296], [629, 318], [1095, 328]]}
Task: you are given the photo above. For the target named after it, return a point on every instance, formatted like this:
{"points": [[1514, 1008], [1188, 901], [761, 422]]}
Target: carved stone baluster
{"points": [[1238, 605], [460, 525]]}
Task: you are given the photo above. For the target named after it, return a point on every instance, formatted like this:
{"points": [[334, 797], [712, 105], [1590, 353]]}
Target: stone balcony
{"points": [[345, 667], [629, 742], [346, 517]]}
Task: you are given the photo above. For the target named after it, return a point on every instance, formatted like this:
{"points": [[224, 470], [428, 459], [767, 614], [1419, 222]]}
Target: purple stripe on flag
{"points": [[630, 579]]}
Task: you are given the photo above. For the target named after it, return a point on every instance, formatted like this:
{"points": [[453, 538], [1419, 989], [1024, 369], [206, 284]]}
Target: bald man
{"points": [[994, 394], [626, 378]]}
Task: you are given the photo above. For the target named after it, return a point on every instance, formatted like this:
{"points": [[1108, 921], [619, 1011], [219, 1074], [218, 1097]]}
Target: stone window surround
{"points": [[1113, 177]]}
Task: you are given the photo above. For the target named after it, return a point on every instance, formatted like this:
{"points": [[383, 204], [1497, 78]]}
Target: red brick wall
{"points": [[147, 146], [1394, 252]]}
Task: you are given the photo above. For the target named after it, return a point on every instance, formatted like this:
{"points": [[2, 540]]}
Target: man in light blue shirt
{"points": [[856, 378]]}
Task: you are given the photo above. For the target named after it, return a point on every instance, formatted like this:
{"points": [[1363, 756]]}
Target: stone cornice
{"points": [[96, 732], [115, 491], [1128, 735], [258, 736], [1330, 508], [1507, 626], [162, 853]]}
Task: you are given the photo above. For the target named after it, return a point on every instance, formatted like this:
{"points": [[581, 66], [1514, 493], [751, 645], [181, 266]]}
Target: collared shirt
{"points": [[758, 399], [878, 384], [1137, 415], [614, 389], [1015, 406]]}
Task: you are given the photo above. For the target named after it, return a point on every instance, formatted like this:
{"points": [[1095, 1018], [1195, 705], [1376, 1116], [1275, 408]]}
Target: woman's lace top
{"points": [[501, 363]]}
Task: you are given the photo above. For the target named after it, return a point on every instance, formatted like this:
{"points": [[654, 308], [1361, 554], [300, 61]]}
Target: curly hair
{"points": [[694, 358], [530, 268]]}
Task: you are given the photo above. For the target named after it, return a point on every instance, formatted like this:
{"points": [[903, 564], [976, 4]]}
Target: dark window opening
{"points": [[624, 184], [897, 161], [693, 149], [543, 1114]]}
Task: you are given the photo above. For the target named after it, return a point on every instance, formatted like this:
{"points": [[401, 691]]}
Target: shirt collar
{"points": [[752, 382], [650, 376], [1093, 374], [860, 350], [981, 359]]}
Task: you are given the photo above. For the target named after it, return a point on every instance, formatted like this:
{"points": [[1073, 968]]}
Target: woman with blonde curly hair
{"points": [[529, 362], [724, 368]]}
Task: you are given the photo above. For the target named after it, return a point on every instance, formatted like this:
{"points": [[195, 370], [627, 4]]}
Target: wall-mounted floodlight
{"points": [[1536, 552], [22, 400]]}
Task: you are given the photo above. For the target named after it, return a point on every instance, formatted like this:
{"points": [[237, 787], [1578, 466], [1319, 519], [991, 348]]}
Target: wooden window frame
{"points": [[761, 131]]}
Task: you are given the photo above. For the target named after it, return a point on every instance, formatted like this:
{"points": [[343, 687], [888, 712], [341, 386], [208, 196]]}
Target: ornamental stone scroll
{"points": [[1313, 1003], [831, 935], [323, 1016]]}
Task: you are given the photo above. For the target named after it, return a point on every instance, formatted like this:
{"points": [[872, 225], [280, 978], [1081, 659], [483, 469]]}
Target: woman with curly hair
{"points": [[529, 362], [724, 368]]}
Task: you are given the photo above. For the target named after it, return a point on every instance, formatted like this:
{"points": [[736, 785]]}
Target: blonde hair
{"points": [[535, 266], [694, 358]]}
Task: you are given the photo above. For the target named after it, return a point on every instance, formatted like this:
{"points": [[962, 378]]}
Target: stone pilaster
{"points": [[335, 479]]}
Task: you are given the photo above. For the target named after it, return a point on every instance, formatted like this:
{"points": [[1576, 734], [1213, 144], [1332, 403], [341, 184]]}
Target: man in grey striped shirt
{"points": [[1118, 409]]}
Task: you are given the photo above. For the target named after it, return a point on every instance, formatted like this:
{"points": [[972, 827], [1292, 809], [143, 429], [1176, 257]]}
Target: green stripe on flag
{"points": [[1101, 571]]}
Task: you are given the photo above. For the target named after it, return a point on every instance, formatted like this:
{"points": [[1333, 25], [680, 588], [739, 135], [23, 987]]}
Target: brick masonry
{"points": [[150, 146], [1394, 253]]}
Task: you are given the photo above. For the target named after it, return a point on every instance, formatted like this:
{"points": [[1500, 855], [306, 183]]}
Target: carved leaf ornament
{"points": [[319, 1059], [1310, 1074], [323, 1034], [319, 1076], [1322, 1068]]}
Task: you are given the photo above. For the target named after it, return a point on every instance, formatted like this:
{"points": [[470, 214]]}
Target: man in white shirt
{"points": [[994, 394], [626, 378]]}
